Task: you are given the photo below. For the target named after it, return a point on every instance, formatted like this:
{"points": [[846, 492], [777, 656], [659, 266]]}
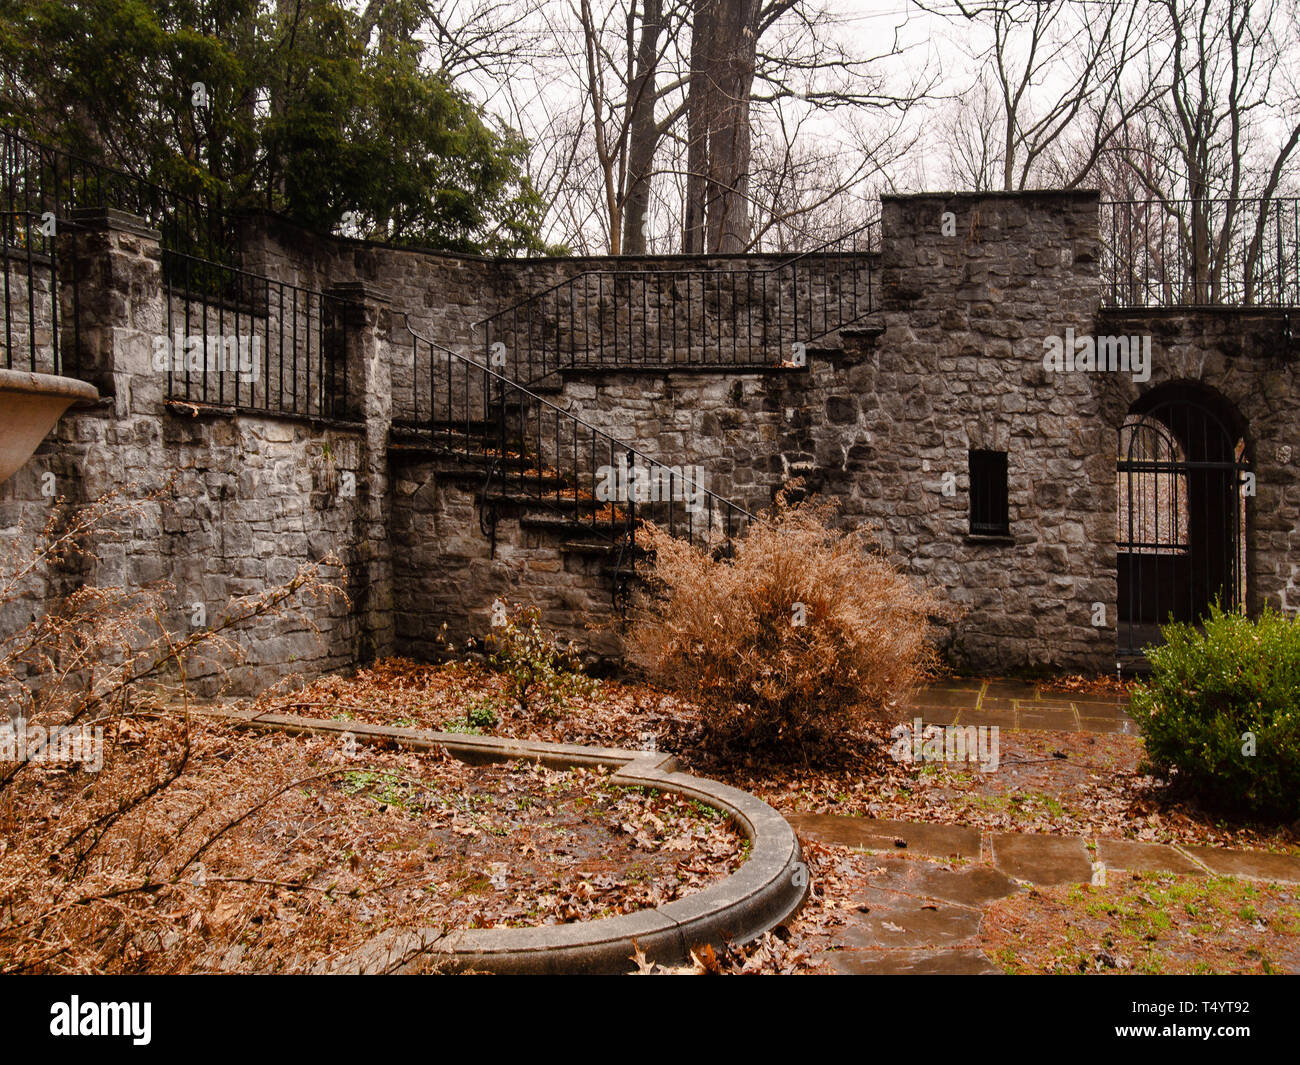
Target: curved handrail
{"points": [[489, 376]]}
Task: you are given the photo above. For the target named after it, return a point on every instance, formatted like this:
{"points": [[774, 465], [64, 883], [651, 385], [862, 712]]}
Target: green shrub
{"points": [[540, 671], [1207, 691], [482, 714]]}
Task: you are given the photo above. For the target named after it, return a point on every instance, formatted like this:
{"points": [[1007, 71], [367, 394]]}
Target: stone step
{"points": [[594, 548], [473, 427], [567, 528], [866, 329], [513, 495], [450, 462]]}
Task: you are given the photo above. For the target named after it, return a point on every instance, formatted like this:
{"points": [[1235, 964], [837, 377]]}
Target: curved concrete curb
{"points": [[761, 894]]}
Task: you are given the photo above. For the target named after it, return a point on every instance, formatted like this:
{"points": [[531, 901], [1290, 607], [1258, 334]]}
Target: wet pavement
{"points": [[1013, 704], [918, 916]]}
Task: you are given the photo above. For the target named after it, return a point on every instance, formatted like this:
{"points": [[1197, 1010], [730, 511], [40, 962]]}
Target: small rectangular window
{"points": [[989, 514]]}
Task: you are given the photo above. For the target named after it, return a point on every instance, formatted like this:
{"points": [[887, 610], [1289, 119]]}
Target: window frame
{"points": [[990, 494]]}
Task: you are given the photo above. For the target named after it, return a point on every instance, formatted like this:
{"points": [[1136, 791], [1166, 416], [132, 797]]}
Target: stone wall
{"points": [[448, 570], [960, 367], [1249, 362], [878, 421], [226, 506], [882, 416]]}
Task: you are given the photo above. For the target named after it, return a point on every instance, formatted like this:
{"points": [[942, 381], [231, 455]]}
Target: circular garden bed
{"points": [[277, 852]]}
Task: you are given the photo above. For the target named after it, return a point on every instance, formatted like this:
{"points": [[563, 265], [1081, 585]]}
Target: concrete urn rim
{"points": [[30, 406]]}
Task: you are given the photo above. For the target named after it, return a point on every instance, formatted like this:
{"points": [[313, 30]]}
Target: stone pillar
{"points": [[116, 314], [365, 343], [974, 286]]}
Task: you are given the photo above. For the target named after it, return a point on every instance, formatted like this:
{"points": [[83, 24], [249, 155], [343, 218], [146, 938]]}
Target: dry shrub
{"points": [[727, 633], [91, 879]]}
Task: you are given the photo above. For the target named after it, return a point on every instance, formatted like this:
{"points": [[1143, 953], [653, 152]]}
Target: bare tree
{"points": [[485, 42], [1056, 67], [724, 55], [643, 131], [618, 155], [971, 144], [624, 111], [750, 53], [1221, 141], [810, 189]]}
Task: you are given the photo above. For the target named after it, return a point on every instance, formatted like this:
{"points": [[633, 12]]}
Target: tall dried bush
{"points": [[804, 632]]}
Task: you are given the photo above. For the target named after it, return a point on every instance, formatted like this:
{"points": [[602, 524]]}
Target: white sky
{"points": [[927, 41]]}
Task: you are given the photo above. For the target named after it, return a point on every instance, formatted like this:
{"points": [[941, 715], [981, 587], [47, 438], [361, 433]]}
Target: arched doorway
{"points": [[1181, 519]]}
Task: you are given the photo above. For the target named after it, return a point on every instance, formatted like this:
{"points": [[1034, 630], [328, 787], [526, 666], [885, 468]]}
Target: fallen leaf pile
{"points": [[308, 847], [1078, 783]]}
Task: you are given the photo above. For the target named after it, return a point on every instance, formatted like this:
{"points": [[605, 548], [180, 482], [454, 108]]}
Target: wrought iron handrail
{"points": [[240, 340], [40, 293], [755, 323], [1195, 252], [41, 188], [549, 456], [43, 178]]}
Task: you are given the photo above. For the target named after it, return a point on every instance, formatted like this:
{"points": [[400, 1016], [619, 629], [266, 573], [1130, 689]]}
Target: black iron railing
{"points": [[45, 181], [529, 450], [1181, 521], [41, 189], [239, 340], [734, 317], [39, 294], [1158, 253]]}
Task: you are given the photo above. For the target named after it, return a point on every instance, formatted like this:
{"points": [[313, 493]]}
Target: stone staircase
{"points": [[490, 425], [509, 486], [529, 462]]}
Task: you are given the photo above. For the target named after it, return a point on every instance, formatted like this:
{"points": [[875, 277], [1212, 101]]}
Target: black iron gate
{"points": [[1181, 523]]}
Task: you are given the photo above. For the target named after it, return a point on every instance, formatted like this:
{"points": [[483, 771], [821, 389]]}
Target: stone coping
{"points": [[762, 893], [1007, 196]]}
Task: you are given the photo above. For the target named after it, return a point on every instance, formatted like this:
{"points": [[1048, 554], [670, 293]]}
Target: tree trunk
{"points": [[729, 143], [643, 137], [699, 98], [724, 45]]}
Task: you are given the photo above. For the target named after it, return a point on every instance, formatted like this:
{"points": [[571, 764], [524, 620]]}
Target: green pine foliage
{"points": [[304, 108]]}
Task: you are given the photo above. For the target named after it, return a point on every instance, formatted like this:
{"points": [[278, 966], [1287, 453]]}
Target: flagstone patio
{"points": [[923, 917], [1013, 704]]}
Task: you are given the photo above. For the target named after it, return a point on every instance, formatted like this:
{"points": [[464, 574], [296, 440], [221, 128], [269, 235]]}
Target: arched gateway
{"points": [[1182, 490]]}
